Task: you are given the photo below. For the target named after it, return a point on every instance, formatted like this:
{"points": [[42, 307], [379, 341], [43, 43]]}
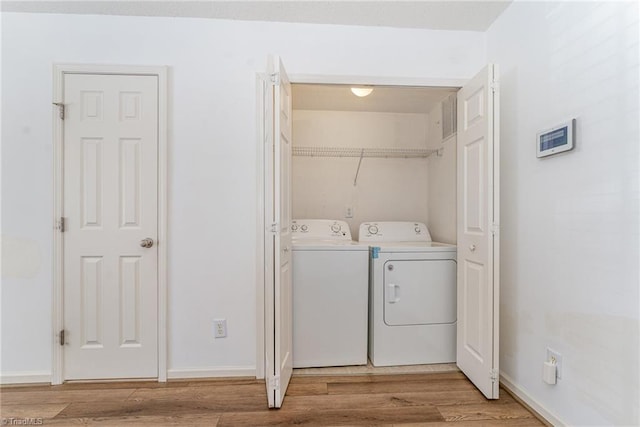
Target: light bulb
{"points": [[361, 91]]}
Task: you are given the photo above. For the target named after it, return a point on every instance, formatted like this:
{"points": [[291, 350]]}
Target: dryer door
{"points": [[419, 292]]}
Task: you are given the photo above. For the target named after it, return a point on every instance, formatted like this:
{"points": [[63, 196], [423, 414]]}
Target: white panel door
{"points": [[478, 225], [269, 237], [110, 207], [280, 360]]}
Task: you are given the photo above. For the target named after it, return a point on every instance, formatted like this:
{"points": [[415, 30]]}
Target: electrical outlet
{"points": [[348, 211], [220, 328], [554, 355]]}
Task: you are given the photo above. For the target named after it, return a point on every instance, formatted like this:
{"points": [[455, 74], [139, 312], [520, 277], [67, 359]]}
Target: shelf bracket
{"points": [[355, 180]]}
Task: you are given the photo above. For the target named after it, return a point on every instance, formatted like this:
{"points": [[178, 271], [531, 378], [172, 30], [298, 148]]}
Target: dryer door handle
{"points": [[393, 294]]}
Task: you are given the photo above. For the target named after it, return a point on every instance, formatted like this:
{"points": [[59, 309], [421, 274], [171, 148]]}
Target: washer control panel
{"points": [[394, 231], [320, 229]]}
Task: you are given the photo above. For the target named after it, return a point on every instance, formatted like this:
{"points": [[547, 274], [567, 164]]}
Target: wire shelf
{"points": [[363, 152]]}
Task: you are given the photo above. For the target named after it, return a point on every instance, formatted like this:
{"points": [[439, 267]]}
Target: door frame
{"points": [[57, 310], [261, 78]]}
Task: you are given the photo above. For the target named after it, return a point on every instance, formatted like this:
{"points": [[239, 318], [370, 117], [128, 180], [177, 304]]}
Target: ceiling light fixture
{"points": [[361, 91]]}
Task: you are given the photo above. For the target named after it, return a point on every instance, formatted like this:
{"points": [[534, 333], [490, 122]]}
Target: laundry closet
{"points": [[412, 178], [384, 160]]}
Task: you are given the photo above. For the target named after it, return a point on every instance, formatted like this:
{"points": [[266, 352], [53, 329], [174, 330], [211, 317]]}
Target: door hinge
{"points": [[62, 224], [60, 106], [495, 229], [494, 375], [274, 382], [62, 337], [274, 228], [495, 86], [275, 78]]}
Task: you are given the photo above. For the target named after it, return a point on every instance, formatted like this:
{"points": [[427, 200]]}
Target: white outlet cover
{"points": [[220, 328], [551, 353], [348, 212]]}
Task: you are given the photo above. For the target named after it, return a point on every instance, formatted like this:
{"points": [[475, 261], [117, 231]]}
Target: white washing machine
{"points": [[330, 295], [412, 291]]}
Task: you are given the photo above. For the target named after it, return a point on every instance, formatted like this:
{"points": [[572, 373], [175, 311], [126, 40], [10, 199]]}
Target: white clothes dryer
{"points": [[330, 295], [412, 295]]}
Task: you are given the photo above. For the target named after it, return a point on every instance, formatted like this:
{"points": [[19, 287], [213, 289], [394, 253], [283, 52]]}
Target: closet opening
{"points": [[387, 156]]}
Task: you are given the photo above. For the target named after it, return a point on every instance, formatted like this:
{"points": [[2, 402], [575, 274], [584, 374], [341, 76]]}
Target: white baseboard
{"points": [[26, 377], [214, 372], [508, 383], [31, 377]]}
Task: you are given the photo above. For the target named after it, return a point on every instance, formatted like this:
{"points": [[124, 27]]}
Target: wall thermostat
{"points": [[556, 140]]}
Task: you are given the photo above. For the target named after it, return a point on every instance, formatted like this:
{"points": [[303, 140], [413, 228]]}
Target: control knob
{"points": [[372, 229], [336, 228]]}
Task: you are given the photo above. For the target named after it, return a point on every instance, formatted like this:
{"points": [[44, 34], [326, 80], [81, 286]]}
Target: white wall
{"points": [[569, 232], [441, 181], [386, 189], [212, 157]]}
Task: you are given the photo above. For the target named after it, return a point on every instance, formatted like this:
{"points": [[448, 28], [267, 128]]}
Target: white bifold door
{"points": [[278, 286], [478, 231], [478, 227], [111, 226]]}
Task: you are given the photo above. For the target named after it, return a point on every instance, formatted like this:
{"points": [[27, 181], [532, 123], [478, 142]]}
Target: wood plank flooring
{"points": [[430, 399]]}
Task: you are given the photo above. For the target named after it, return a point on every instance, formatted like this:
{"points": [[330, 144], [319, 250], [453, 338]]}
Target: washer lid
{"points": [[328, 245], [386, 247]]}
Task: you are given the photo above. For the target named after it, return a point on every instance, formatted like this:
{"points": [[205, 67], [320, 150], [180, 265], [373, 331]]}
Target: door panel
{"points": [[280, 362], [474, 302], [91, 181], [130, 288], [91, 328], [473, 171], [110, 205], [130, 166], [478, 225]]}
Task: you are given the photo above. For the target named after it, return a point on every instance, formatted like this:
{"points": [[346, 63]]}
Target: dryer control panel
{"points": [[394, 231]]}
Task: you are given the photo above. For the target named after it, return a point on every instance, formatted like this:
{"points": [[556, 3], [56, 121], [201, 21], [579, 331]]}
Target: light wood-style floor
{"points": [[429, 399]]}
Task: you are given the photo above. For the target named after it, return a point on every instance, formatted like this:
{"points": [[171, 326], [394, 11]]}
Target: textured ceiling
{"points": [[382, 99], [439, 15]]}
